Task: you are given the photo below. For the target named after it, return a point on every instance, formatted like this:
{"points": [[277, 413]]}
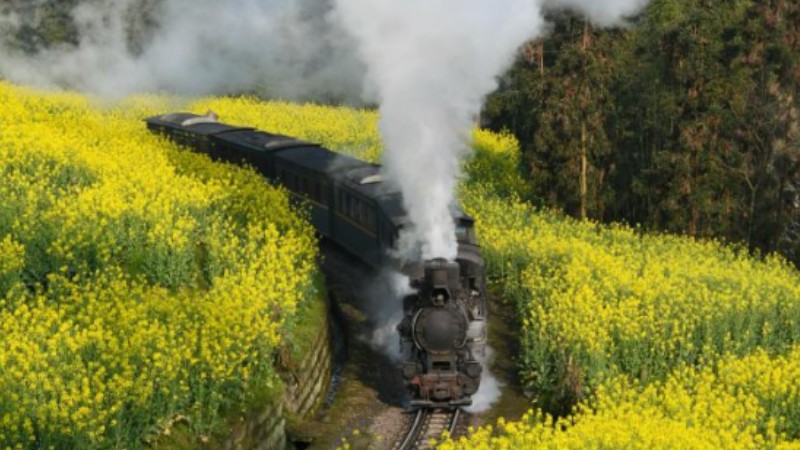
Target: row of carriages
{"points": [[348, 202]]}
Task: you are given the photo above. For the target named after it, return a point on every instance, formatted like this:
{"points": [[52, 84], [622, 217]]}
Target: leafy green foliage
{"points": [[686, 122]]}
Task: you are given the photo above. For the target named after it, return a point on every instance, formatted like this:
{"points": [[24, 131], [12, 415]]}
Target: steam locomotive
{"points": [[444, 323]]}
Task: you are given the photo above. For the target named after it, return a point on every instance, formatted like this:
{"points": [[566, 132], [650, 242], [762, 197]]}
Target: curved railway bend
{"points": [[367, 408]]}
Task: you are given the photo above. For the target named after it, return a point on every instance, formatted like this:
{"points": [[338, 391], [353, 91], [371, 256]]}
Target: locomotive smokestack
{"points": [[441, 280]]}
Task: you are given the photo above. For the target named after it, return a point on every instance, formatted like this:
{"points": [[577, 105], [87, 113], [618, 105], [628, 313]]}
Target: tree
{"points": [[554, 100], [686, 122]]}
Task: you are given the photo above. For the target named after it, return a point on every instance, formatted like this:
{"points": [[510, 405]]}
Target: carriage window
{"points": [[363, 214], [386, 232], [465, 233], [368, 222], [355, 209], [318, 192]]}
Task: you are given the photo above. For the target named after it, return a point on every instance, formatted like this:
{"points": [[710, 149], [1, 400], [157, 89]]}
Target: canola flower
{"points": [[341, 129], [138, 281], [598, 303], [661, 341], [129, 270], [739, 403]]}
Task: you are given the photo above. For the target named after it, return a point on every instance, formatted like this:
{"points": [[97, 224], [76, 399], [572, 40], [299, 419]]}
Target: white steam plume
{"points": [[489, 391], [387, 291], [601, 13], [281, 48], [431, 63]]}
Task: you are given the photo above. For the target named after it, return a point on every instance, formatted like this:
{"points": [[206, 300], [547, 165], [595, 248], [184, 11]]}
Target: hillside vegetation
{"points": [[737, 403], [142, 283], [139, 284], [658, 341], [686, 121], [637, 340]]}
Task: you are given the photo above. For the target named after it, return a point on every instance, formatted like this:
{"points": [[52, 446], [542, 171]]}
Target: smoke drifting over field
{"points": [[280, 48], [431, 63]]}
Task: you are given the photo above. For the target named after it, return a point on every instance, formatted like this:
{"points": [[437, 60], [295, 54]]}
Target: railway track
{"points": [[428, 424]]}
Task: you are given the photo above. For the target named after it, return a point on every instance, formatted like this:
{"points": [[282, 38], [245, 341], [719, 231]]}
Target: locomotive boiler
{"points": [[444, 323]]}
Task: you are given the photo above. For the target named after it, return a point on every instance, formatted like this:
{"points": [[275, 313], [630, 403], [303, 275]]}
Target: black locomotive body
{"points": [[445, 324], [444, 320]]}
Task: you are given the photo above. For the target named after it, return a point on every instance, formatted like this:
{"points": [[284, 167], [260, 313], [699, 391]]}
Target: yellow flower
{"points": [[163, 281]]}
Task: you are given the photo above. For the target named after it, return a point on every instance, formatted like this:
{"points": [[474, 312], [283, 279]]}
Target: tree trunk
{"points": [[584, 171], [584, 162], [541, 60]]}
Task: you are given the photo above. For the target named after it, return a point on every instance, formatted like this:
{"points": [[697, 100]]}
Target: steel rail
{"points": [[454, 422], [411, 437], [421, 430]]}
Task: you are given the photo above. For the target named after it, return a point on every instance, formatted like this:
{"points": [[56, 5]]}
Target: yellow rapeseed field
{"points": [[138, 282], [657, 341], [597, 301], [747, 403], [609, 310]]}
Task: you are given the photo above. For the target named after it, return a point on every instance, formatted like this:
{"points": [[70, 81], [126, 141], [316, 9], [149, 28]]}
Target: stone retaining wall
{"points": [[311, 381], [307, 386], [265, 430]]}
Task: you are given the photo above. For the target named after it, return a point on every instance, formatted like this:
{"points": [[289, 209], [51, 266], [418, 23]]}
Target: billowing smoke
{"points": [[280, 48], [601, 13], [8, 22], [431, 63], [384, 307], [489, 391]]}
